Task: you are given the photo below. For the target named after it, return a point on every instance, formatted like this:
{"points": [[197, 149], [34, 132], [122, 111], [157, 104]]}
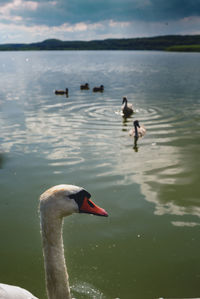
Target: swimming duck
{"points": [[85, 86], [127, 109], [100, 88], [58, 92], [137, 131]]}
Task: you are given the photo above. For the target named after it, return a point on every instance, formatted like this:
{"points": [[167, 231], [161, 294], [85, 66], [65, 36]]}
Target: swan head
{"points": [[136, 123], [64, 200], [124, 100]]}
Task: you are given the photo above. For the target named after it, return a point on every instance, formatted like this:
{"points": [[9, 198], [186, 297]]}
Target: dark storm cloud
{"points": [[57, 12], [171, 9], [118, 10]]}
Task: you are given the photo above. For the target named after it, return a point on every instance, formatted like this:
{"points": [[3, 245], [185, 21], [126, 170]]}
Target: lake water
{"points": [[148, 247]]}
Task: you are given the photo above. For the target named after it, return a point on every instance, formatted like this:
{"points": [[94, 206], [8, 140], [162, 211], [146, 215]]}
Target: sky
{"points": [[26, 21]]}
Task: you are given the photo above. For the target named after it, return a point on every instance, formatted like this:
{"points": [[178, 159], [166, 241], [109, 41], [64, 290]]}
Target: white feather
{"points": [[13, 292]]}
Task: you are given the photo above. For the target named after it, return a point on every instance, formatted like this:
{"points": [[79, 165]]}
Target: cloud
{"points": [[16, 5], [184, 223], [66, 31], [23, 11], [118, 24], [18, 31], [127, 10], [10, 12], [55, 13], [96, 19]]}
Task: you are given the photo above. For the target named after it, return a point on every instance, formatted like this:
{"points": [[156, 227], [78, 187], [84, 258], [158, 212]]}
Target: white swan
{"points": [[127, 108], [137, 131], [55, 203], [13, 292]]}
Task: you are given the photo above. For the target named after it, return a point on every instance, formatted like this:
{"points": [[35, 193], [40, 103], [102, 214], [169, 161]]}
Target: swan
{"points": [[55, 203], [85, 86], [100, 88], [127, 108], [13, 292], [58, 92], [137, 131]]}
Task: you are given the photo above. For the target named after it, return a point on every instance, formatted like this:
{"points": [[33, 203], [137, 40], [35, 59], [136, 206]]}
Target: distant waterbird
{"points": [[98, 89], [62, 92], [138, 130], [85, 86], [127, 108]]}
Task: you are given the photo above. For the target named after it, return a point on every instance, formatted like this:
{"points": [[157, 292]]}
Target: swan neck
{"points": [[136, 131], [54, 261]]}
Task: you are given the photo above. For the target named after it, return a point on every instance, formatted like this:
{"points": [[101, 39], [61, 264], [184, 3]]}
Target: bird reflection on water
{"points": [[135, 146]]}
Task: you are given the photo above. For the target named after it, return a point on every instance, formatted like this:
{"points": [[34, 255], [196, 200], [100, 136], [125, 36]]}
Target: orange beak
{"points": [[89, 207]]}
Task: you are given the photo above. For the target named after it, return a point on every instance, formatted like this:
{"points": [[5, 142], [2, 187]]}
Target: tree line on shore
{"points": [[188, 43]]}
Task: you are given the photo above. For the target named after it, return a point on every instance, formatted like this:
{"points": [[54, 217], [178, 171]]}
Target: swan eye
{"points": [[80, 196]]}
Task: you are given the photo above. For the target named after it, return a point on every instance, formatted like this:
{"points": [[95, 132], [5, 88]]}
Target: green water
{"points": [[148, 247]]}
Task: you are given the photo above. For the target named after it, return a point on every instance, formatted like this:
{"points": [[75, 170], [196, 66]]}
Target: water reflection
{"points": [[86, 290], [135, 146], [83, 140], [167, 178], [163, 168], [63, 132]]}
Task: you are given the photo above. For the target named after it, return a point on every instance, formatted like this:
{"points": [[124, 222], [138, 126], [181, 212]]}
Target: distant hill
{"points": [[163, 43]]}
